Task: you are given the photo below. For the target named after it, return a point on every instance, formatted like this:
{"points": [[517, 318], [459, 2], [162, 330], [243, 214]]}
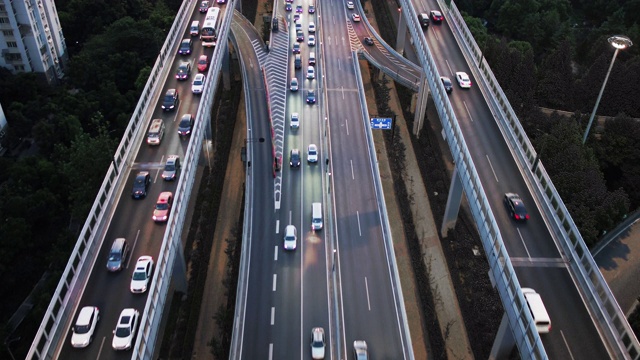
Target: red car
{"points": [[436, 16], [203, 63], [163, 207]]}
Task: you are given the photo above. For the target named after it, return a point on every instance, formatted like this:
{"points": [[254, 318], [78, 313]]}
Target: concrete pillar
{"points": [[421, 105], [504, 342], [180, 267], [453, 204], [226, 69], [402, 33]]}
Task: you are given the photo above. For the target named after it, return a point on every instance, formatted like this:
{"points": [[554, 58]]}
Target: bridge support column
{"points": [[402, 32], [453, 204], [226, 69], [504, 342], [179, 268], [421, 106]]}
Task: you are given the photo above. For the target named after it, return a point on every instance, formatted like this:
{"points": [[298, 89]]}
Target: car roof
{"points": [[171, 92], [164, 196], [85, 315]]}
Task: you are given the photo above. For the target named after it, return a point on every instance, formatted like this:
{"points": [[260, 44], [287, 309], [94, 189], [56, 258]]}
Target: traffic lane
{"points": [[110, 291], [262, 264], [571, 323], [361, 250], [369, 309], [618, 260]]}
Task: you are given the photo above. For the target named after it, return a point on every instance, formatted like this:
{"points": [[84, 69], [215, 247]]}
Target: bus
{"points": [[209, 32]]}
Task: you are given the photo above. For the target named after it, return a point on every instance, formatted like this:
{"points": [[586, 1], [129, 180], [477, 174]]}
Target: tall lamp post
{"points": [[620, 42]]}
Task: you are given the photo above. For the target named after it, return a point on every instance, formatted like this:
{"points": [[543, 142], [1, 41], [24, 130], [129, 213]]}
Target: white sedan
{"points": [[312, 40], [198, 84], [125, 333], [141, 274], [350, 5], [463, 80]]}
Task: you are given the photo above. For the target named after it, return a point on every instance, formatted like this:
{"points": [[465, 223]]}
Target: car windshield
{"points": [[139, 275], [168, 99], [185, 123], [139, 181], [197, 82], [162, 206], [202, 61], [169, 167], [82, 329], [122, 332], [114, 256], [312, 151]]}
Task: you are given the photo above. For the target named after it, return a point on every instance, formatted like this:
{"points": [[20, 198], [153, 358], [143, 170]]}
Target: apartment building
{"points": [[31, 38]]}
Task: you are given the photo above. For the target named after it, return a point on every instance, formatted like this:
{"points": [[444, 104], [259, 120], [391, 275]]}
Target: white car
{"points": [[295, 120], [311, 73], [85, 327], [360, 350], [355, 17], [141, 274], [125, 332], [312, 27], [312, 153], [198, 84], [294, 84], [317, 343], [350, 5], [312, 40], [290, 237], [463, 79]]}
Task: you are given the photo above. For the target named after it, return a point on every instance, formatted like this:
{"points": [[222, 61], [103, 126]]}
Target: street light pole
{"points": [[619, 42]]}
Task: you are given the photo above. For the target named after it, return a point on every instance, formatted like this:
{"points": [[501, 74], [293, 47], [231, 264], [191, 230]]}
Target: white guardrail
{"points": [[603, 307]]}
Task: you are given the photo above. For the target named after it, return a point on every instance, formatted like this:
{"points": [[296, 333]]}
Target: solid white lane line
{"points": [[273, 315], [275, 280], [492, 170], [101, 346], [346, 124], [353, 176], [135, 242], [525, 245], [566, 344], [449, 66], [468, 112], [358, 217], [366, 285]]}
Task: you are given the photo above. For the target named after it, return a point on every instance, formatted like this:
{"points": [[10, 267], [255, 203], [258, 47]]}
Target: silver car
{"points": [[171, 168]]}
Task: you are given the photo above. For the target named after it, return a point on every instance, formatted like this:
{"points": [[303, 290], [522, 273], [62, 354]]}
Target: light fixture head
{"points": [[620, 42]]}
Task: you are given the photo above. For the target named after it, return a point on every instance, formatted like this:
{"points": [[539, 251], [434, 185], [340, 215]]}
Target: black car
{"points": [[170, 100], [287, 7], [141, 185], [446, 82], [311, 97], [312, 9], [515, 206], [185, 47], [294, 158], [299, 36], [184, 70], [368, 41], [204, 6], [186, 125]]}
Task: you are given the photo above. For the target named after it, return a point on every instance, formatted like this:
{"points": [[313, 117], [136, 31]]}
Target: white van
{"points": [[312, 58], [194, 30], [538, 311], [316, 216], [156, 132]]}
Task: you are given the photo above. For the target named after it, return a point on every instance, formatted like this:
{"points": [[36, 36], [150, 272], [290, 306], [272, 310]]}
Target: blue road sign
{"points": [[381, 123]]}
